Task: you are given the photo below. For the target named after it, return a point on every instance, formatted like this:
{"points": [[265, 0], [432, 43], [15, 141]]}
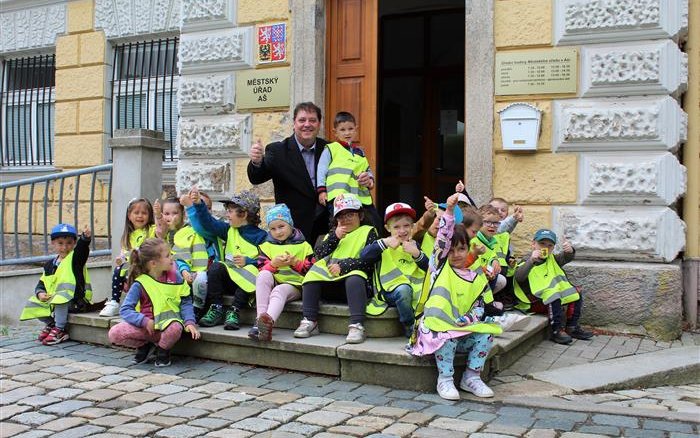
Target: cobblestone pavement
{"points": [[74, 390]]}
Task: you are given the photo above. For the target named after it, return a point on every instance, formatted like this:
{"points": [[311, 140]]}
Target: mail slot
{"points": [[520, 126]]}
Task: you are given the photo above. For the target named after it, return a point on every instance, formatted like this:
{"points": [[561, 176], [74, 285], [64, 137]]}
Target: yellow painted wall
{"points": [[521, 23]]}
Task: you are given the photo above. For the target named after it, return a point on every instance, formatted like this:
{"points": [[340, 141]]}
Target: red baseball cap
{"points": [[399, 208]]}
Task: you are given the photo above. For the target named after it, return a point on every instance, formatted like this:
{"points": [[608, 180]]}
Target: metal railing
{"points": [[17, 253]]}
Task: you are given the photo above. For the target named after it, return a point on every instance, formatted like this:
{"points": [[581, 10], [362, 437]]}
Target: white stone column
{"points": [[137, 157]]}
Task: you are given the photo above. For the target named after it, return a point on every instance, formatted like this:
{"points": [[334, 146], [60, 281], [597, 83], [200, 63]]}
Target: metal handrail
{"points": [[47, 181]]}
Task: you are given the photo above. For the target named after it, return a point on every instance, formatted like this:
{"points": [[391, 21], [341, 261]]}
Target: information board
{"points": [[547, 71], [268, 88]]}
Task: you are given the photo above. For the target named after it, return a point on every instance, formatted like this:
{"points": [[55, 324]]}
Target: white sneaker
{"points": [[356, 334], [476, 386], [446, 388], [306, 328], [512, 322], [111, 308]]}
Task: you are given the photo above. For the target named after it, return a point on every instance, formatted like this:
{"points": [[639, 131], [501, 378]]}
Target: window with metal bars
{"points": [[27, 111], [144, 89]]}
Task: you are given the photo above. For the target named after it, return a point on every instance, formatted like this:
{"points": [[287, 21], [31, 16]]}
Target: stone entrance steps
{"points": [[381, 361]]}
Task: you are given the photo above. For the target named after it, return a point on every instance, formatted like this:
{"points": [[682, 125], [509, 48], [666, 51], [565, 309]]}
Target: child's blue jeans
{"points": [[401, 297], [477, 345]]}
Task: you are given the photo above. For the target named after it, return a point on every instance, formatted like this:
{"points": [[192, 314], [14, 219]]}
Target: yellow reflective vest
{"points": [[191, 248], [343, 171], [236, 245], [348, 247], [548, 282], [498, 252], [428, 244], [285, 274], [165, 298], [451, 296], [60, 287], [396, 267], [136, 238]]}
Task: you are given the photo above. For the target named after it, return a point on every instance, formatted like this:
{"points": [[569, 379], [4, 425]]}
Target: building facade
{"points": [[616, 85]]}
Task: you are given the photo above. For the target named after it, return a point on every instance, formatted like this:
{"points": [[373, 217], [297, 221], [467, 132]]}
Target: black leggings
{"points": [[556, 313], [220, 283], [117, 283], [352, 289]]}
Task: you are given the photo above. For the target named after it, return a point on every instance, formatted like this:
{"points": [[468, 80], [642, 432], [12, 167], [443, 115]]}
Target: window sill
{"points": [[8, 174]]}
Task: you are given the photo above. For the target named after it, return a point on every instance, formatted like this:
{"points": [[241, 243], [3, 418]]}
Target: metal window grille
{"points": [[144, 89], [27, 110]]}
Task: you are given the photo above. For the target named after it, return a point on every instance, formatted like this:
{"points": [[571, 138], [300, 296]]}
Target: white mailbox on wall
{"points": [[520, 126]]}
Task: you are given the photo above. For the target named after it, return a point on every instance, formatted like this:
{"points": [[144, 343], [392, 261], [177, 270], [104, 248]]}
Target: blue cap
{"points": [[545, 234], [63, 230], [456, 211]]}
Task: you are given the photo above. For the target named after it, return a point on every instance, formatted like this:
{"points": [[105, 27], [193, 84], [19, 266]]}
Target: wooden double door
{"points": [[398, 66]]}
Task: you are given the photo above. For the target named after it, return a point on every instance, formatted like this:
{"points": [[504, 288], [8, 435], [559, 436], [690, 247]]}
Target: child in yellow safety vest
{"points": [[540, 277], [153, 312], [237, 270], [494, 261], [339, 272], [399, 266], [343, 168], [64, 283], [451, 310], [285, 257], [139, 225]]}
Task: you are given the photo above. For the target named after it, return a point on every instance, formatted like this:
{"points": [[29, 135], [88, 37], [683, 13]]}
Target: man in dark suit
{"points": [[291, 164]]}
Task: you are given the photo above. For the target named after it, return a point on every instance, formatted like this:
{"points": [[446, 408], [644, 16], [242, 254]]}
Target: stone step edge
{"points": [[595, 408]]}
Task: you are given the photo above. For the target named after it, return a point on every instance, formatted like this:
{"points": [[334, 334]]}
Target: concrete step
{"points": [[673, 366], [376, 361], [333, 319]]}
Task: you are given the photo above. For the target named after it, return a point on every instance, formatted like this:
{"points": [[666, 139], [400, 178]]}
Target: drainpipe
{"points": [[691, 160]]}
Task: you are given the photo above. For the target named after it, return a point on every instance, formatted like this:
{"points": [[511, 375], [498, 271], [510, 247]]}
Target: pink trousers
{"points": [[131, 336], [271, 298]]}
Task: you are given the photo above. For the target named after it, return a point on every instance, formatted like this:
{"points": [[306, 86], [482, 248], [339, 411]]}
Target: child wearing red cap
{"points": [[399, 266]]}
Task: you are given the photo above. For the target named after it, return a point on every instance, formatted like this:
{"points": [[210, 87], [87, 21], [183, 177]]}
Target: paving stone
{"points": [[600, 430], [387, 411], [483, 417], [162, 420], [488, 435], [455, 424], [128, 386], [18, 394], [431, 432], [370, 422], [12, 410], [32, 433], [505, 429], [91, 412], [400, 429], [166, 389], [182, 431], [280, 397], [580, 435], [375, 400], [615, 420], [66, 407], [135, 429], [112, 420], [210, 404], [329, 435], [115, 378], [643, 433], [183, 412], [434, 398], [65, 393], [236, 413], [155, 379], [316, 401], [234, 396], [667, 426], [515, 411], [554, 423], [304, 429], [83, 376], [18, 370], [209, 423], [63, 423], [313, 391], [139, 397], [349, 407], [118, 404], [340, 385], [446, 410], [34, 377], [229, 433], [79, 432], [182, 397], [324, 418], [255, 424], [682, 435], [32, 418], [90, 385], [346, 430], [134, 373], [145, 409], [298, 407], [342, 396], [280, 415], [9, 385], [55, 383], [403, 394], [278, 434], [541, 433], [10, 429], [100, 395], [419, 418], [410, 405]]}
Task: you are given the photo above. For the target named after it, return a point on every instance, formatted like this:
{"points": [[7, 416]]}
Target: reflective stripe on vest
{"points": [[285, 274], [191, 248], [60, 288], [165, 298], [548, 282], [348, 247], [343, 172], [136, 238], [451, 297], [236, 245]]}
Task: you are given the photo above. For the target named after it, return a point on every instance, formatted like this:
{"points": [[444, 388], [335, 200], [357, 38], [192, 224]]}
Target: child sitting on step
{"points": [[65, 282], [399, 266], [285, 257], [452, 309], [163, 308]]}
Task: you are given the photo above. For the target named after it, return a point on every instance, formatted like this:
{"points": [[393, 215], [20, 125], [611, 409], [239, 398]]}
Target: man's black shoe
{"points": [[578, 333]]}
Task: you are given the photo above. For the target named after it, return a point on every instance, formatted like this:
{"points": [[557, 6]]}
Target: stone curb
{"points": [[593, 408]]}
